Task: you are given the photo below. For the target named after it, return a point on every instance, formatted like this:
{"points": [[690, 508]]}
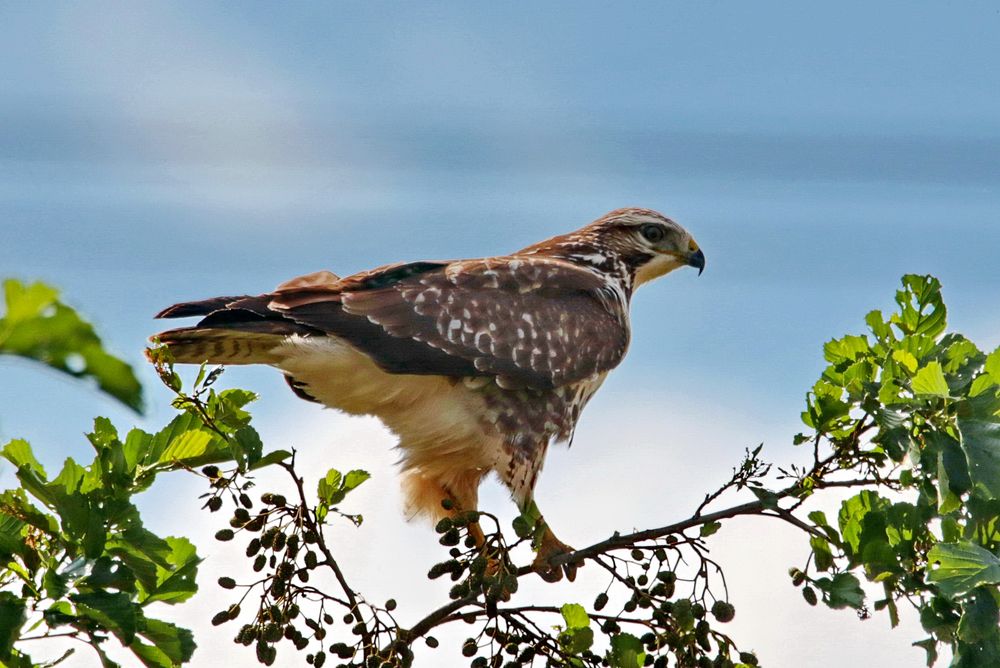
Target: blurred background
{"points": [[157, 152]]}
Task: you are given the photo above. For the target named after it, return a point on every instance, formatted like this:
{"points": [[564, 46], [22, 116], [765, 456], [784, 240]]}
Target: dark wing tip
{"points": [[203, 307], [175, 311]]}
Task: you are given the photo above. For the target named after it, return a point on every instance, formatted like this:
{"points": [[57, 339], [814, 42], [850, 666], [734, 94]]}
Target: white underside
{"points": [[435, 418]]}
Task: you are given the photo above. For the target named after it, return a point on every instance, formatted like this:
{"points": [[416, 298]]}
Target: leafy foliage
{"points": [[917, 413], [76, 558], [905, 416], [38, 326], [76, 545]]}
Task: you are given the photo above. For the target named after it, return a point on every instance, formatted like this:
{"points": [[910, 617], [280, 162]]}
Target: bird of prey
{"points": [[475, 365]]}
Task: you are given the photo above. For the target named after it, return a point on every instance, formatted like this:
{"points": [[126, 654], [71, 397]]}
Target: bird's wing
{"points": [[317, 279], [535, 322], [528, 321]]}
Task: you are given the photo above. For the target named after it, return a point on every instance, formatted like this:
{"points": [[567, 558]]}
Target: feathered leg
{"points": [[425, 495], [519, 472]]}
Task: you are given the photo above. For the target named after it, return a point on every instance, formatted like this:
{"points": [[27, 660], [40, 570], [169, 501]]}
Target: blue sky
{"points": [[155, 152]]}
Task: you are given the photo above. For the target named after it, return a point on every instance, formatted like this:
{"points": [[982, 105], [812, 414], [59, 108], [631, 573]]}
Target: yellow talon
{"points": [[550, 547]]}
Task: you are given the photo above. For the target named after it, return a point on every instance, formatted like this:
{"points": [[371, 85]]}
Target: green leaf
{"points": [[930, 380], [578, 636], [185, 441], [95, 534], [108, 574], [58, 614], [952, 470], [989, 379], [992, 365], [18, 452], [921, 309], [529, 523], [953, 462], [11, 537], [14, 503], [855, 526], [173, 645], [929, 645], [106, 661], [354, 478], [328, 489], [227, 408], [905, 359], [767, 498], [960, 360], [334, 486], [962, 567], [895, 440], [17, 569], [104, 434], [521, 527], [144, 553], [150, 656], [576, 641], [626, 651], [54, 583], [981, 384], [115, 612], [137, 540], [12, 618], [136, 448], [845, 592], [111, 464], [825, 407], [818, 517], [272, 457], [38, 326], [248, 445], [822, 555], [890, 603], [575, 616], [80, 519], [189, 445], [977, 655], [708, 529], [237, 398], [175, 582], [846, 349], [981, 442], [71, 479], [879, 326], [980, 616]]}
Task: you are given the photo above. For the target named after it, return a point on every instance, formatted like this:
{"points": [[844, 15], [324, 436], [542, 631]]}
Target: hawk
{"points": [[476, 365]]}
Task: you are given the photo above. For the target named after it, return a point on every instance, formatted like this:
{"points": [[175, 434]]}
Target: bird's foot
{"points": [[550, 547]]}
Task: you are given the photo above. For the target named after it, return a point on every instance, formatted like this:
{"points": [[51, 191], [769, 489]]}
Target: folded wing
{"points": [[530, 322]]}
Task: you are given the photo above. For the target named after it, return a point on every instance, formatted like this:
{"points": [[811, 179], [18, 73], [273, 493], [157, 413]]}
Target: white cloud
{"points": [[197, 117]]}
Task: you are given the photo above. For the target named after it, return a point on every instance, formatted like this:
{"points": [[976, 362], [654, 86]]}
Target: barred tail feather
{"points": [[193, 345]]}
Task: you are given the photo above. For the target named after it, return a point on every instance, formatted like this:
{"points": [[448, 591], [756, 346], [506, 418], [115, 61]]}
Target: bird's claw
{"points": [[549, 548]]}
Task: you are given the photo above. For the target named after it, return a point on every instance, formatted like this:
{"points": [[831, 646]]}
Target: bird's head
{"points": [[649, 243], [644, 243]]}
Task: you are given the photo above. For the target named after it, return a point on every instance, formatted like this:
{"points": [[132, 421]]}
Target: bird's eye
{"points": [[653, 233]]}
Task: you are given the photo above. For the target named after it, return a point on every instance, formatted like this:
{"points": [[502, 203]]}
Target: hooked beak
{"points": [[696, 259]]}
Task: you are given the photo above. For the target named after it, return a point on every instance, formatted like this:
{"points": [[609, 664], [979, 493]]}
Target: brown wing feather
{"points": [[317, 279], [533, 322]]}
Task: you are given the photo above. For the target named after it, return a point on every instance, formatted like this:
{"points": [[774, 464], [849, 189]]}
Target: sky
{"points": [[157, 152]]}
